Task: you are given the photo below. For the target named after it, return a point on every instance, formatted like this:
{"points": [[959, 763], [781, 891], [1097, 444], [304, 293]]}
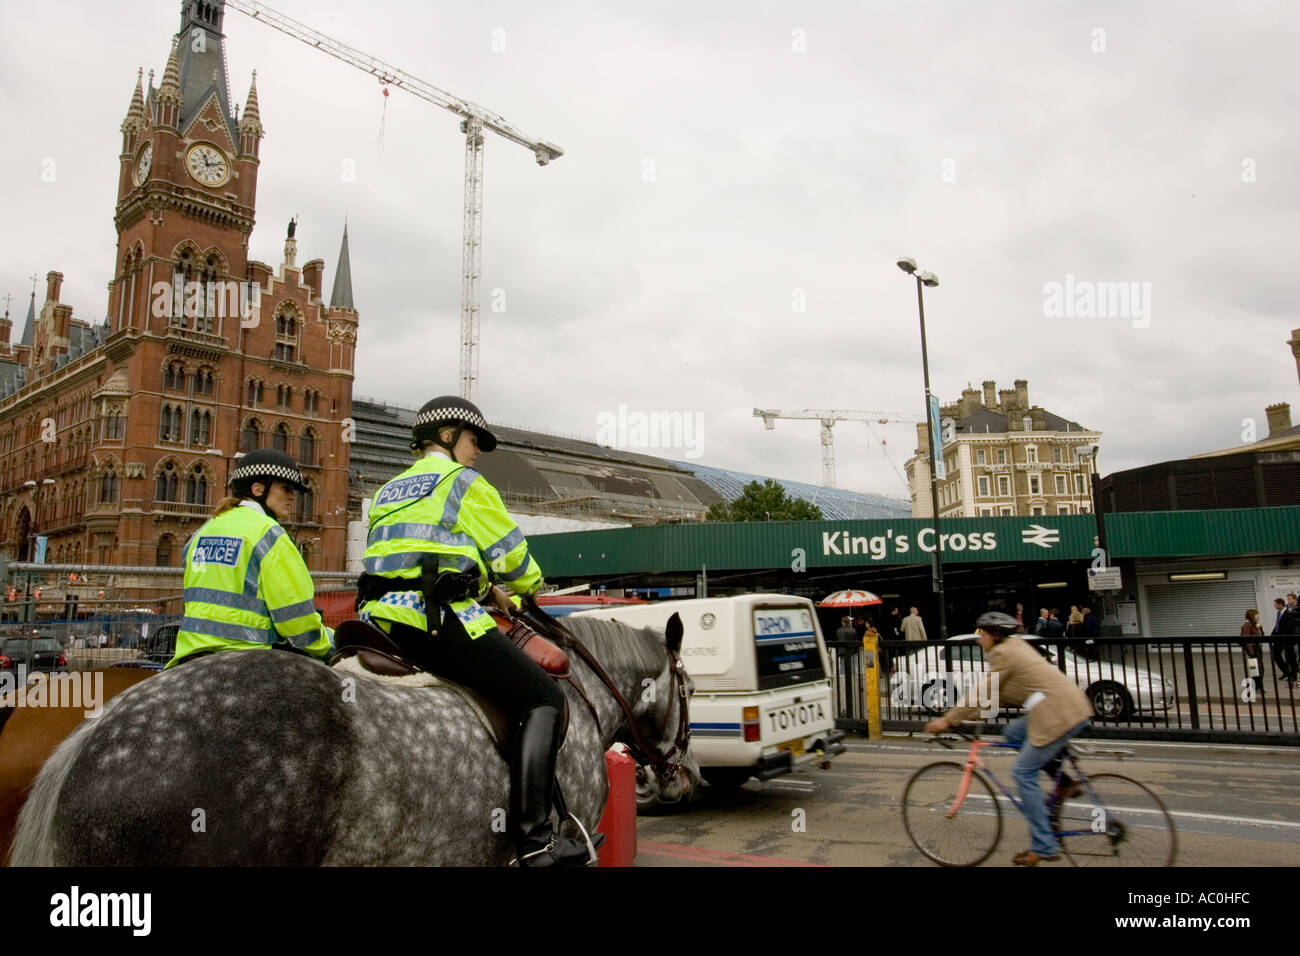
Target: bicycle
{"points": [[954, 818]]}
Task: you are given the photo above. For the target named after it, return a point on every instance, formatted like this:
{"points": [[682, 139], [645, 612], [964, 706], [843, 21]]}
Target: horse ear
{"points": [[673, 633]]}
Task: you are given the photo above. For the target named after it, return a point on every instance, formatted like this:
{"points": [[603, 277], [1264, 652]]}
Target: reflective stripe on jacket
{"points": [[246, 586], [439, 507]]}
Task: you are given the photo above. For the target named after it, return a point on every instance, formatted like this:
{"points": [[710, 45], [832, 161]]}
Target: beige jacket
{"points": [[913, 628], [1023, 672]]}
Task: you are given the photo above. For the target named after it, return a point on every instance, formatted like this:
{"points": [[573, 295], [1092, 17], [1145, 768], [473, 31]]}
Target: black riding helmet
{"points": [[265, 465], [450, 410]]}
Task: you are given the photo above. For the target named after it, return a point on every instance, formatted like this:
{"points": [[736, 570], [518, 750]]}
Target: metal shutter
{"points": [[1200, 609]]}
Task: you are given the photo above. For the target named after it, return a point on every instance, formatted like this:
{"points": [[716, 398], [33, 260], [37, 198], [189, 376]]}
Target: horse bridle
{"points": [[666, 765]]}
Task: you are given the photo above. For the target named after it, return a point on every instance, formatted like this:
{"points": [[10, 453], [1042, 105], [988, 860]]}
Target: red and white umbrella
{"points": [[850, 598]]}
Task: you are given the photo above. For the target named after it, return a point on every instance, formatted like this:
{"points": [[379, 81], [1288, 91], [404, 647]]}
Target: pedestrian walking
{"points": [[1284, 647], [1252, 632], [845, 631], [914, 627]]}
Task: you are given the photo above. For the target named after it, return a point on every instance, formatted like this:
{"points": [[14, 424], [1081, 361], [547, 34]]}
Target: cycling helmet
{"points": [[450, 410], [998, 623]]}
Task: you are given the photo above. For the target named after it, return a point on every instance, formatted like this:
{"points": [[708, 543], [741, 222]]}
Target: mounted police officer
{"points": [[246, 586], [439, 533]]}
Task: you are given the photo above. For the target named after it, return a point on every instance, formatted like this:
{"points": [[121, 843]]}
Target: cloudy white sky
{"points": [[725, 162]]}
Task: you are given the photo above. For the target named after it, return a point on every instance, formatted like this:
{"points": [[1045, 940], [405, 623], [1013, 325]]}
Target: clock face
{"points": [[207, 164], [144, 163]]}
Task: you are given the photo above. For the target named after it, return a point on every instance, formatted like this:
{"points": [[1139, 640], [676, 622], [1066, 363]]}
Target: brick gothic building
{"points": [[116, 439]]}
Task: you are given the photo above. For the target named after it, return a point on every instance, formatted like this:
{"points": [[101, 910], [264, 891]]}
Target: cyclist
{"points": [[1056, 710]]}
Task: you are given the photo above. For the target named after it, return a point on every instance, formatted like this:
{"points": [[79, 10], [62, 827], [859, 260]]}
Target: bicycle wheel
{"points": [[968, 836], [1117, 822]]}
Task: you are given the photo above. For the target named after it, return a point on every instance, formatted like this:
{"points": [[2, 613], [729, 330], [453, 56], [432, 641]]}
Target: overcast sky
{"points": [[738, 181]]}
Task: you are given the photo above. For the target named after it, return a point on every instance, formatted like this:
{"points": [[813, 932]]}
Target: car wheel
{"points": [[1110, 701]]}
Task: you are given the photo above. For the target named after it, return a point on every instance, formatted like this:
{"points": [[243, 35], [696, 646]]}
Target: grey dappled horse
{"points": [[265, 758]]}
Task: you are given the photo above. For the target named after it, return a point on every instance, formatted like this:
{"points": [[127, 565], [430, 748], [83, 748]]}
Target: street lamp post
{"points": [[936, 557]]}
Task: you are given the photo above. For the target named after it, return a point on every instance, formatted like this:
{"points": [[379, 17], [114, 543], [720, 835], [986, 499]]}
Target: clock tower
{"points": [[188, 181]]}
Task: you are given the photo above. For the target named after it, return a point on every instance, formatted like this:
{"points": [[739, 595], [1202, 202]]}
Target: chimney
{"points": [[1006, 400], [970, 400], [922, 437], [990, 396], [1279, 418], [311, 276], [53, 282], [1022, 393]]}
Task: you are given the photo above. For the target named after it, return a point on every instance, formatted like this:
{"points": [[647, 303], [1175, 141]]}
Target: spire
{"points": [[170, 88], [135, 115], [30, 330], [341, 297], [252, 118], [201, 70]]}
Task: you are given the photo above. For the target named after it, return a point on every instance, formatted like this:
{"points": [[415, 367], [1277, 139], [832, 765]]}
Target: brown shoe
{"points": [[1030, 858]]}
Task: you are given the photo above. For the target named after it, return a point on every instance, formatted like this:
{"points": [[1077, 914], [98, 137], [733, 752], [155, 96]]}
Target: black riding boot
{"points": [[532, 777]]}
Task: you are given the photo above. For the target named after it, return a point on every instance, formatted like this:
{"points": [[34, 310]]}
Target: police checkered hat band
{"points": [[270, 465], [452, 410], [451, 414]]}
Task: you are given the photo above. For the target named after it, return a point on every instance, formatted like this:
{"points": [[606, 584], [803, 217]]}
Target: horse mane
{"points": [[615, 644]]}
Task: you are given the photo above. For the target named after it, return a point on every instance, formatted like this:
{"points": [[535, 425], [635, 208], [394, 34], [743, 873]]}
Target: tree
{"points": [[765, 502]]}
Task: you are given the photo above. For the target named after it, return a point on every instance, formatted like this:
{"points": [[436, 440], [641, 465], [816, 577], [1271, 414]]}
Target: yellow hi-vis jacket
{"points": [[439, 507], [246, 586]]}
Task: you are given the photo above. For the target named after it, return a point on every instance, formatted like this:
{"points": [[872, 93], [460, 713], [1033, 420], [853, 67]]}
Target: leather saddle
{"points": [[380, 655]]}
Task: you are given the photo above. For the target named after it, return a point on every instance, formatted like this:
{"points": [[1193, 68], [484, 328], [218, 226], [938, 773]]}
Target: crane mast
{"points": [[474, 120]]}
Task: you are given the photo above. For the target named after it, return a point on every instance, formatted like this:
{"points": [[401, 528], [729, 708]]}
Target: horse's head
{"points": [[662, 722]]}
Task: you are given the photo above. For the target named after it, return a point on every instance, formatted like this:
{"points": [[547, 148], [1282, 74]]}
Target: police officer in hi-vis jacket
{"points": [[246, 585], [439, 534]]}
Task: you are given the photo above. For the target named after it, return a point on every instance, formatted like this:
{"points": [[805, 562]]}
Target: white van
{"points": [[762, 705]]}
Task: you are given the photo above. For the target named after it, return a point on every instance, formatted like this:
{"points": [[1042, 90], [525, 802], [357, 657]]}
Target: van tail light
{"points": [[751, 724], [63, 660], [5, 662]]}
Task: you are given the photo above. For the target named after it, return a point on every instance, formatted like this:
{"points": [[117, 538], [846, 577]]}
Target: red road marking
{"points": [[713, 857]]}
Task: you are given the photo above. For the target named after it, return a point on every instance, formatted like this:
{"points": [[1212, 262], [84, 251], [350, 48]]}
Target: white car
{"points": [[931, 678]]}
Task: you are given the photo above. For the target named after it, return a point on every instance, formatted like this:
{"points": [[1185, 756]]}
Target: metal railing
{"points": [[1191, 689]]}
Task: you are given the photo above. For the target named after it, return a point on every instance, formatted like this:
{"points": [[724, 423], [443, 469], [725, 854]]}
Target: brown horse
{"points": [[29, 734]]}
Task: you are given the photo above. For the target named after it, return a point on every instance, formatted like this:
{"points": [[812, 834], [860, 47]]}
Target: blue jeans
{"points": [[1025, 770]]}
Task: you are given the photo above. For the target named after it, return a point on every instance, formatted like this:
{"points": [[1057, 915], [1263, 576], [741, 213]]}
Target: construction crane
{"points": [[828, 418], [474, 120]]}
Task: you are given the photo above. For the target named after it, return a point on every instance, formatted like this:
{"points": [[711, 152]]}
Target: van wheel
{"points": [[726, 778], [1110, 701]]}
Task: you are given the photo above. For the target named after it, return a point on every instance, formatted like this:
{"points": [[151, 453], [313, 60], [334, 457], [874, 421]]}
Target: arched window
{"points": [[203, 382], [200, 428], [163, 556], [251, 436], [174, 376], [171, 424], [284, 396], [307, 555], [196, 487], [304, 506], [166, 482], [307, 448], [280, 438], [182, 275], [254, 392], [286, 338], [108, 486]]}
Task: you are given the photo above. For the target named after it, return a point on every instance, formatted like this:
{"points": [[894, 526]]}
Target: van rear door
{"points": [[786, 643]]}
